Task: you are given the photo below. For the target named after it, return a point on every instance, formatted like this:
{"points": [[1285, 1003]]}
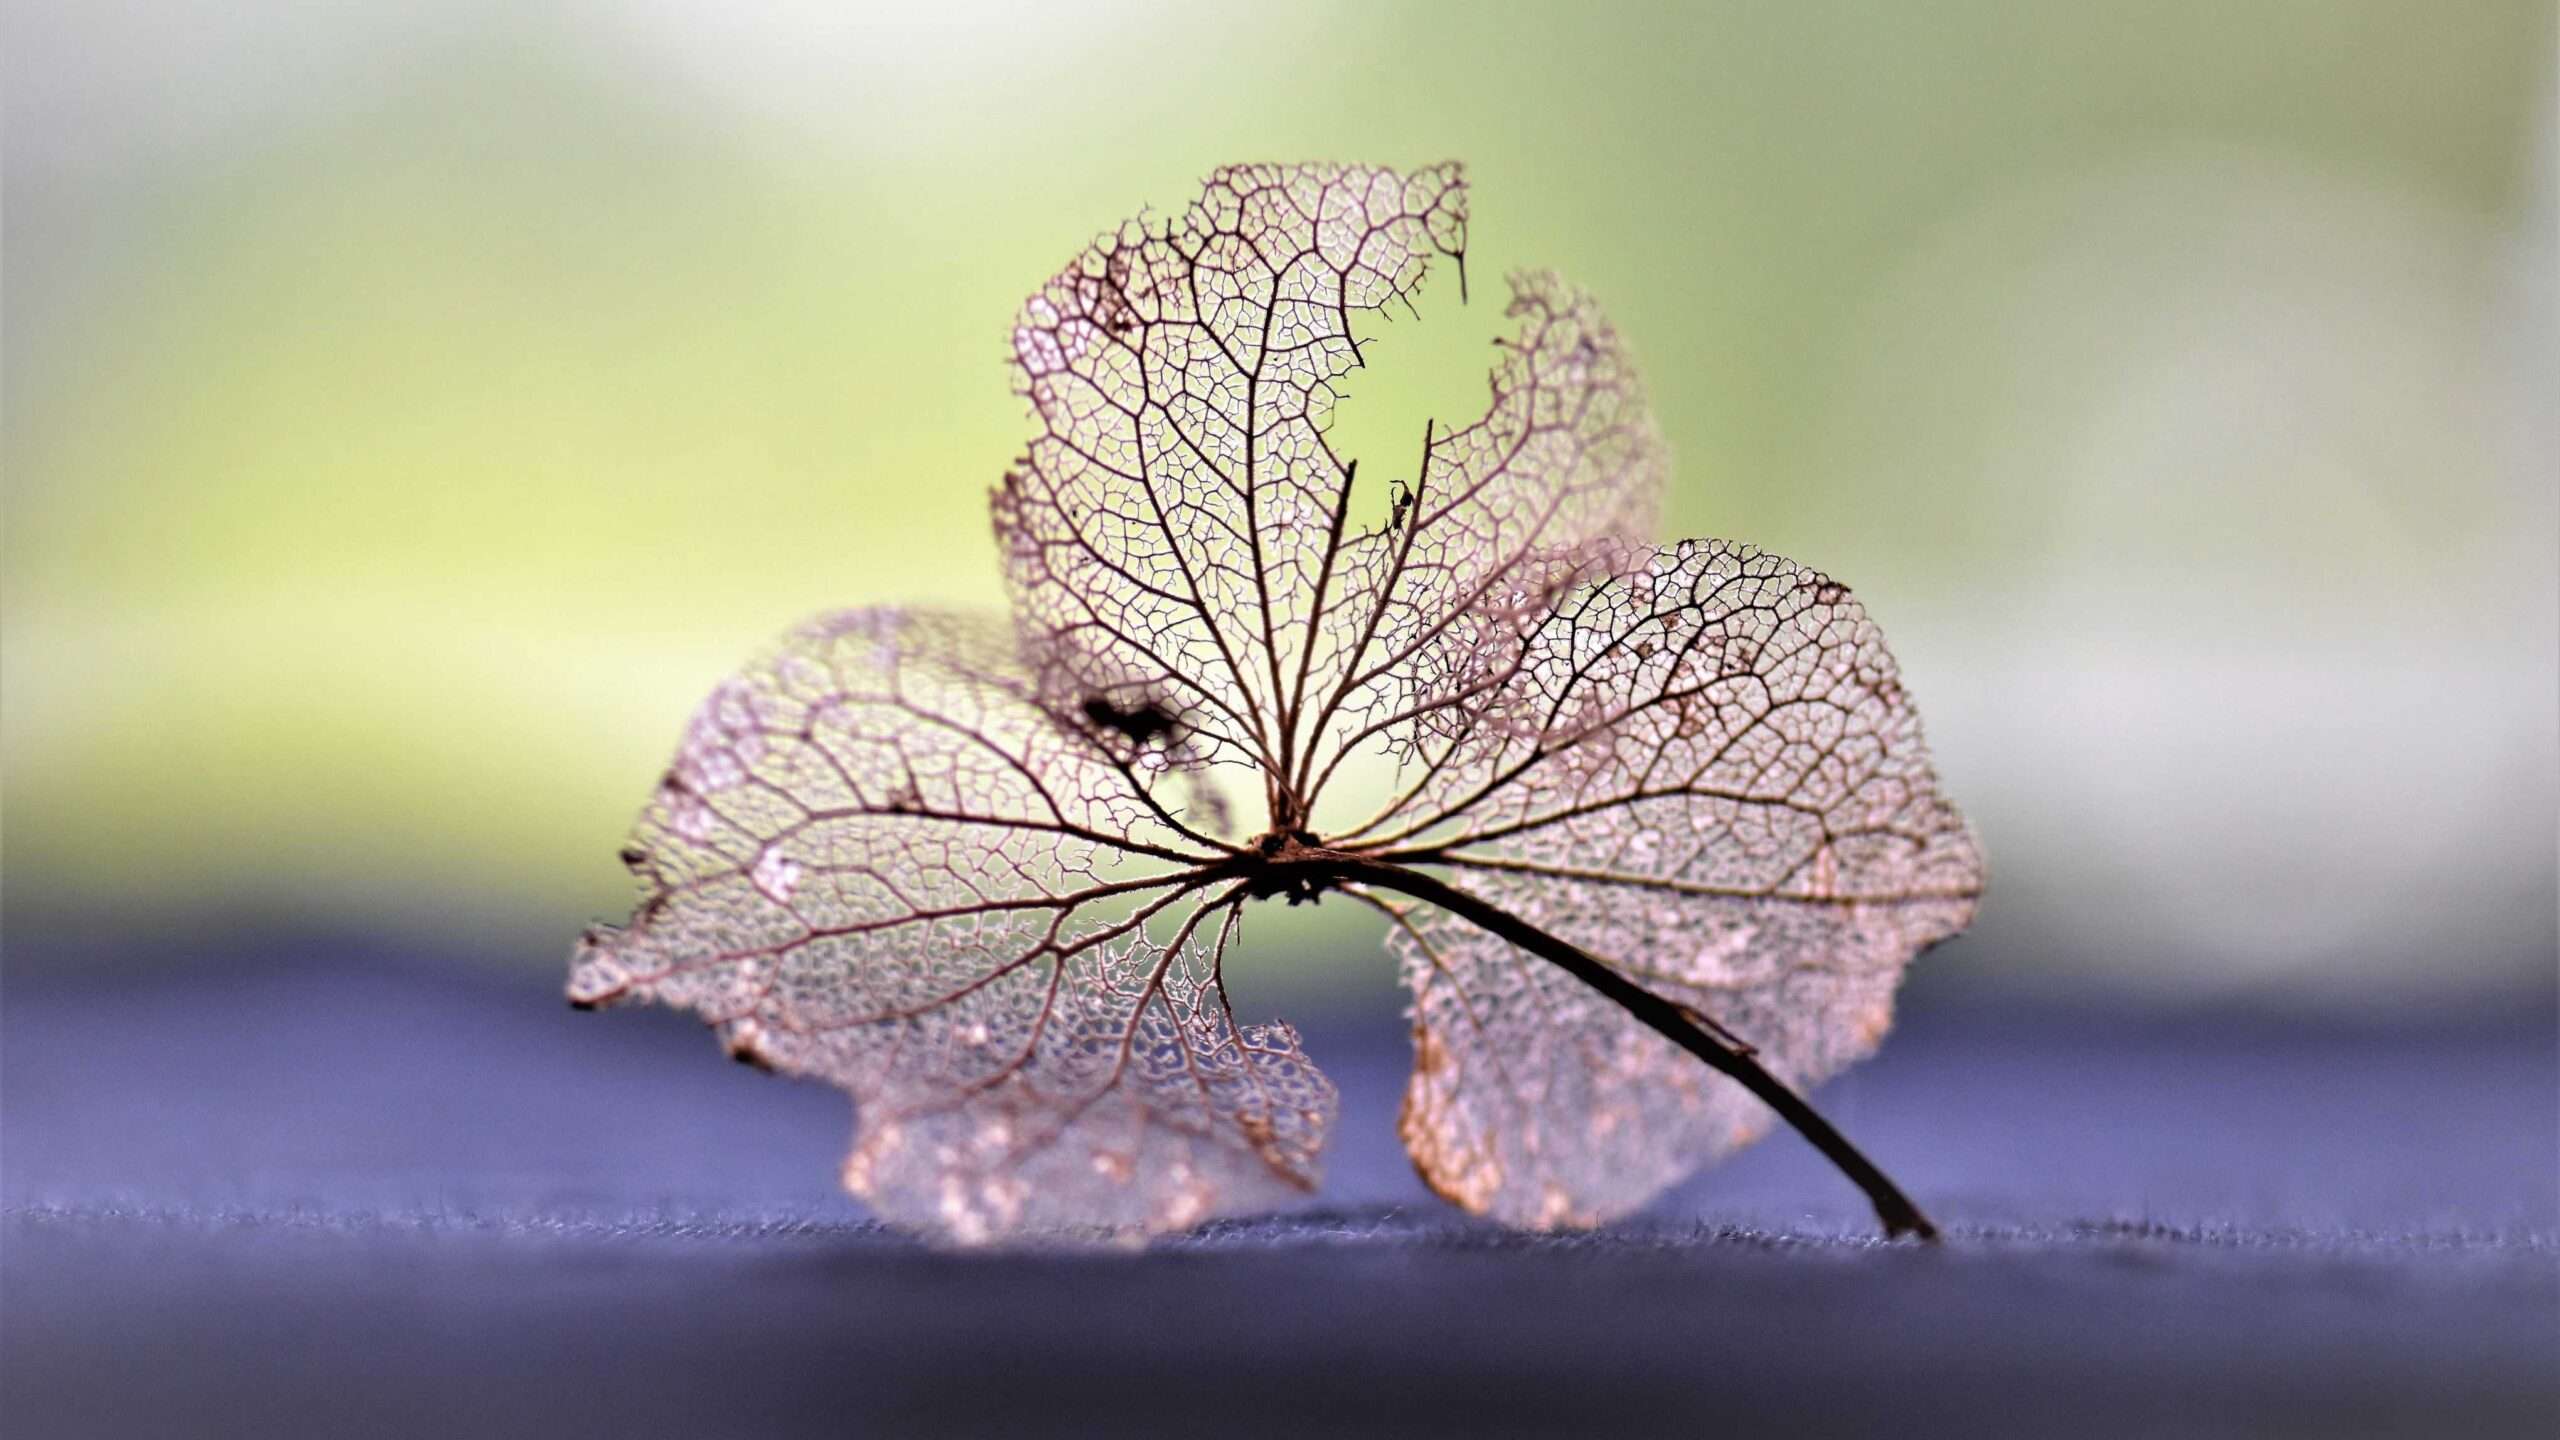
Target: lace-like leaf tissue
{"points": [[1653, 805]]}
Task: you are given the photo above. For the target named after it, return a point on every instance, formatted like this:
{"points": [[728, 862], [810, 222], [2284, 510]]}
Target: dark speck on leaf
{"points": [[1143, 726]]}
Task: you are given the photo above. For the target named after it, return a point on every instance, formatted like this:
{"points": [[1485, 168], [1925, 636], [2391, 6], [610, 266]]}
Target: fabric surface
{"points": [[329, 1194]]}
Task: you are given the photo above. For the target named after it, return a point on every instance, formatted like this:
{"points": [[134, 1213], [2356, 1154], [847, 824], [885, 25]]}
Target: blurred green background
{"points": [[411, 408]]}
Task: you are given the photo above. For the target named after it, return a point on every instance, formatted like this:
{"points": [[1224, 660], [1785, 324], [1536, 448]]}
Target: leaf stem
{"points": [[1674, 1022]]}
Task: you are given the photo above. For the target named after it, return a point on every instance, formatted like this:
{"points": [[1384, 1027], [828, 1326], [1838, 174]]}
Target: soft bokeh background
{"points": [[412, 407]]}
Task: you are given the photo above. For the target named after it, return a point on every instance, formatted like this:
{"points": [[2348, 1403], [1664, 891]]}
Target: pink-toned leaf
{"points": [[879, 862], [1175, 525], [986, 878], [1703, 770]]}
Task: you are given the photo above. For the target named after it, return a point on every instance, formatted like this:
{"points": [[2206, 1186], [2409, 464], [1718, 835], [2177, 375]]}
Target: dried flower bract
{"points": [[1654, 804]]}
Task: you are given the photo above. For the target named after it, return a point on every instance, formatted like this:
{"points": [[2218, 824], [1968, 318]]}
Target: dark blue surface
{"points": [[356, 1197]]}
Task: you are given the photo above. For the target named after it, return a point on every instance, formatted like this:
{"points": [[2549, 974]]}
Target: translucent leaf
{"points": [[986, 879], [1706, 772], [879, 862], [1174, 525]]}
